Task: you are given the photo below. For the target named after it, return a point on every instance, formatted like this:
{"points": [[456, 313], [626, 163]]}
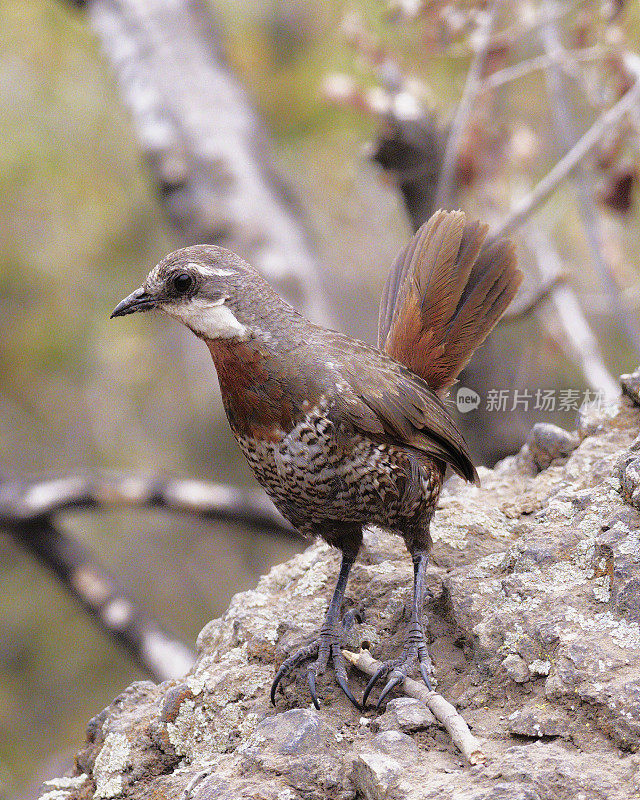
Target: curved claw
{"points": [[311, 679], [327, 645], [425, 675], [290, 664], [345, 688], [279, 676], [384, 669], [391, 684]]}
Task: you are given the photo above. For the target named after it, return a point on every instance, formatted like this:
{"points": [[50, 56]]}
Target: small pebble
{"points": [[516, 668]]}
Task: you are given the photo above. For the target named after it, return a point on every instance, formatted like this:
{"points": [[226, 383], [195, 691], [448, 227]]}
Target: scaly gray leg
{"points": [[415, 646], [327, 646]]}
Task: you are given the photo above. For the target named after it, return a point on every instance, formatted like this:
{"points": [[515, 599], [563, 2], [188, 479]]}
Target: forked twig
{"points": [[563, 118], [441, 709], [537, 63], [523, 210]]}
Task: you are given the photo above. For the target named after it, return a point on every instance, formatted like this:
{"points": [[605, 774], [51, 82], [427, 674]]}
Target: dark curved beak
{"points": [[136, 301]]}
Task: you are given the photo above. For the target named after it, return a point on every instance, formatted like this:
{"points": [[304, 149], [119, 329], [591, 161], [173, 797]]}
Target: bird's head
{"points": [[211, 290]]}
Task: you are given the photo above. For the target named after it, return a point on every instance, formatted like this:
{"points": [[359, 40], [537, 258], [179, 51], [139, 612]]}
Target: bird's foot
{"points": [[400, 668], [326, 647]]}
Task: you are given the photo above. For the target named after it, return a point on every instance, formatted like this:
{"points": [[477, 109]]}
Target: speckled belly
{"points": [[315, 475]]}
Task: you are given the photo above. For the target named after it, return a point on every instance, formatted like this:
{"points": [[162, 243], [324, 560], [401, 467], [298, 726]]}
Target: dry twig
{"points": [[577, 339], [590, 219], [520, 70], [523, 305], [441, 709]]}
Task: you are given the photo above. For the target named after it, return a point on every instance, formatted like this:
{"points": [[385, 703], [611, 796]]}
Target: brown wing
{"points": [[390, 404], [443, 296]]}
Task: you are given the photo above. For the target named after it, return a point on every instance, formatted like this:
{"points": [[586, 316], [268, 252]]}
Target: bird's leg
{"points": [[415, 647], [327, 645]]}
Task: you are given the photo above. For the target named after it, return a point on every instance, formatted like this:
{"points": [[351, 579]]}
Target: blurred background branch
{"points": [[21, 503], [28, 514], [156, 652], [445, 193]]}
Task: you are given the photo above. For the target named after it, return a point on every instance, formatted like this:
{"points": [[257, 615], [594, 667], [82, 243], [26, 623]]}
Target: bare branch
{"points": [[522, 306], [526, 207], [204, 142], [26, 512], [441, 709], [465, 108], [517, 71], [528, 23], [156, 652], [590, 219], [20, 502], [396, 95], [578, 340]]}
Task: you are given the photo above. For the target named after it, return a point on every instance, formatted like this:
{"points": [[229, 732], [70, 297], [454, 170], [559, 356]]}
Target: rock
{"points": [[302, 744], [628, 473], [536, 722], [535, 628], [375, 774], [405, 714], [60, 787], [631, 386], [516, 668], [539, 667], [396, 744], [379, 772], [547, 443], [293, 733]]}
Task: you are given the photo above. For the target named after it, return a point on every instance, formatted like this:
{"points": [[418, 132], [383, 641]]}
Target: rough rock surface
{"points": [[535, 636]]}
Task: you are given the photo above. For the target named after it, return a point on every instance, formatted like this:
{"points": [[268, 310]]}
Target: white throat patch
{"points": [[209, 318]]}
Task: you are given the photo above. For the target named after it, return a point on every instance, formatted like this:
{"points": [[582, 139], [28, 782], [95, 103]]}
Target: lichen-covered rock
{"points": [[313, 750], [534, 622], [628, 473]]}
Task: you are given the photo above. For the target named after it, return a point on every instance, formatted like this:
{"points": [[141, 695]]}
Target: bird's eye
{"points": [[182, 282]]}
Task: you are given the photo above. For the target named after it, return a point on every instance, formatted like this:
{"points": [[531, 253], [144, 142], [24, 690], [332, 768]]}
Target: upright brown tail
{"points": [[443, 296]]}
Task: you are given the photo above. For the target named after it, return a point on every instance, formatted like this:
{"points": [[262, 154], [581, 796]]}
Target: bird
{"points": [[342, 434]]}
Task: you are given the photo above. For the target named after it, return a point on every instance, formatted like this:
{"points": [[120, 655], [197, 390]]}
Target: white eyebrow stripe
{"points": [[219, 273]]}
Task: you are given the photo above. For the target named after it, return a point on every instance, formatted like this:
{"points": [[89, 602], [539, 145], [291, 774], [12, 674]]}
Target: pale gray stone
{"points": [[536, 722], [546, 443], [406, 714], [631, 386]]}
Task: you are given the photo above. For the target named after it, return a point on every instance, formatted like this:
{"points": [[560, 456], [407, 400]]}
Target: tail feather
{"points": [[443, 296]]}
